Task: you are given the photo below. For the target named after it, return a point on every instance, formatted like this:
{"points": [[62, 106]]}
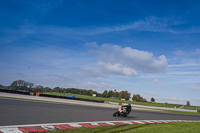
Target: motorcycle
{"points": [[124, 111]]}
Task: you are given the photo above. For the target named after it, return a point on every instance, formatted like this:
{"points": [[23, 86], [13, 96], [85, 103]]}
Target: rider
{"points": [[123, 109]]}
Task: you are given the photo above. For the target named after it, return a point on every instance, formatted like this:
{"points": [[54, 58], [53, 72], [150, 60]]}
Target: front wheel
{"points": [[124, 115], [114, 115]]}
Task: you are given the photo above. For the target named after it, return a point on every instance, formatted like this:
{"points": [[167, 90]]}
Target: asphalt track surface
{"points": [[18, 112]]}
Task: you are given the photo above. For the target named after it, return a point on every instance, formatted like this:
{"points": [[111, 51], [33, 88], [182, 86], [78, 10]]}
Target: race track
{"points": [[17, 112]]}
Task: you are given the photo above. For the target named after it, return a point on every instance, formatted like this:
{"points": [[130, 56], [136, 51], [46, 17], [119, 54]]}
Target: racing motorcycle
{"points": [[124, 111]]}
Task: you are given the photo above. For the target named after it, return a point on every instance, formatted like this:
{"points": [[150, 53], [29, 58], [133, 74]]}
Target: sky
{"points": [[151, 48]]}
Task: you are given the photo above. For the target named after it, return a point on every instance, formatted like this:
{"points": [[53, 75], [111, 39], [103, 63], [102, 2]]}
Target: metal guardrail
{"points": [[114, 103], [15, 91], [154, 107], [72, 98], [163, 108]]}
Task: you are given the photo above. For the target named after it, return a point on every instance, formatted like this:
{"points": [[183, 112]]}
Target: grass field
{"points": [[131, 102], [175, 127]]}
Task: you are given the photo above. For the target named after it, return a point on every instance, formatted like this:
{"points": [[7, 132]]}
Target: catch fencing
{"points": [[163, 108], [155, 107]]}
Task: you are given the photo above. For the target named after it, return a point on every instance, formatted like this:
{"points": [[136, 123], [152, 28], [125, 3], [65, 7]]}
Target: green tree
{"points": [[124, 95], [90, 92], [39, 88], [152, 99], [47, 89], [115, 93], [30, 85], [138, 98], [57, 89], [21, 85], [110, 93], [105, 94], [84, 92], [188, 103], [13, 86]]}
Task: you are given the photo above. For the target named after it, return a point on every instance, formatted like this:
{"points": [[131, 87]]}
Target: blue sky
{"points": [[147, 47]]}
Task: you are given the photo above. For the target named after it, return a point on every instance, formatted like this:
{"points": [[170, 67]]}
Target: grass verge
{"points": [[168, 105], [174, 127]]}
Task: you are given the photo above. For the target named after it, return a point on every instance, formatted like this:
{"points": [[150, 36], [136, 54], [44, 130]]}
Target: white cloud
{"points": [[102, 69], [159, 83], [115, 60], [118, 69], [194, 87], [175, 100], [164, 99], [92, 44], [151, 24], [172, 100], [94, 86], [184, 65], [191, 53], [139, 60], [186, 58]]}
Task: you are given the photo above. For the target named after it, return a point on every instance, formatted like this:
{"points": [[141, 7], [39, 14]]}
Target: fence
{"points": [[154, 107]]}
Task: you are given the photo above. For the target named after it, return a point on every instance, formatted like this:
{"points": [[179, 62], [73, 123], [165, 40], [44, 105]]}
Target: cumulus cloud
{"points": [[116, 60], [102, 69], [137, 59], [117, 69]]}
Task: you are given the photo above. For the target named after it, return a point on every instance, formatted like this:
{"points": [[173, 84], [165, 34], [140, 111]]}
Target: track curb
{"points": [[56, 126]]}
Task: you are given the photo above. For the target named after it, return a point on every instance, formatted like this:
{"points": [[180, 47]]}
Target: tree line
{"points": [[30, 87]]}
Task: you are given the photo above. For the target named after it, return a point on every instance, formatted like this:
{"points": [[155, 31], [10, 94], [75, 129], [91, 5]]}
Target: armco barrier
{"points": [[47, 95], [163, 108], [15, 91], [73, 98], [114, 103], [154, 107]]}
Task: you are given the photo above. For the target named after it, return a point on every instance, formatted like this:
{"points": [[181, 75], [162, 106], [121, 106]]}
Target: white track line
{"points": [[50, 127]]}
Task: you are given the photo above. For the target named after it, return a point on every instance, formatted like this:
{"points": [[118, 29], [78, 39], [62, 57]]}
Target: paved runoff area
{"points": [[65, 126]]}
